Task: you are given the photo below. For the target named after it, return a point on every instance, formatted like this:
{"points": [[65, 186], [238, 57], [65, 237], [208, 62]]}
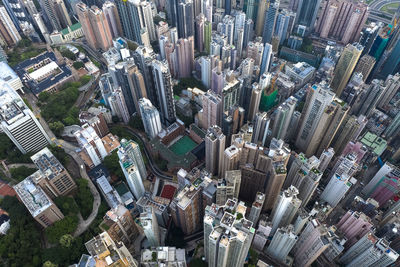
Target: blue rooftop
{"points": [[38, 87]]}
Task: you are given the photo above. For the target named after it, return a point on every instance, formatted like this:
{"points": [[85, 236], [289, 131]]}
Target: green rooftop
{"points": [[374, 143], [121, 189], [183, 146], [73, 27]]}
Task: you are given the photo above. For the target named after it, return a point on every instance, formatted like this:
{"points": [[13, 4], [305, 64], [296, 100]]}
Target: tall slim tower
{"points": [[111, 13], [150, 118], [256, 208], [307, 13], [318, 98], [149, 223], [285, 209], [270, 20], [345, 66], [95, 27], [131, 19], [215, 146], [336, 189], [282, 243], [163, 85], [283, 116]]}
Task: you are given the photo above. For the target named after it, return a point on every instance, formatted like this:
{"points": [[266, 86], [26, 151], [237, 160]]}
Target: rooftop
{"points": [[34, 198], [47, 163]]}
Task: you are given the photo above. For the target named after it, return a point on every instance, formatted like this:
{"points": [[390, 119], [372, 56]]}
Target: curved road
{"points": [[152, 165], [377, 5], [70, 150], [83, 224]]}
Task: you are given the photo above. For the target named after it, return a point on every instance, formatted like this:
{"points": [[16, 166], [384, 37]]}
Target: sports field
{"points": [[183, 145]]}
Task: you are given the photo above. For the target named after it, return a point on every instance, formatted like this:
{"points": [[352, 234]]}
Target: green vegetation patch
{"points": [[390, 8], [183, 145]]}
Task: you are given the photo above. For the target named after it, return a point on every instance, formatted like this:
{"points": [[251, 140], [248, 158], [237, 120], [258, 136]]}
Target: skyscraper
{"points": [[144, 57], [95, 27], [8, 31], [318, 98], [380, 254], [342, 20], [270, 20], [283, 116], [150, 117], [147, 16], [260, 128], [163, 85], [282, 243], [127, 75], [56, 13], [215, 146], [132, 166], [368, 99], [351, 128], [354, 225], [184, 51], [394, 127], [284, 25], [185, 19], [307, 13], [131, 19], [345, 66], [228, 187], [102, 246], [336, 189], [187, 209], [19, 123], [392, 63], [256, 208], [392, 85], [365, 66], [149, 223], [199, 32], [285, 208], [111, 13], [52, 177], [312, 242], [266, 58], [212, 110], [227, 240], [255, 99]]}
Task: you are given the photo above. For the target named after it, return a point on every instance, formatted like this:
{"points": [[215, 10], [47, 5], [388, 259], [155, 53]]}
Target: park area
{"points": [[183, 145]]}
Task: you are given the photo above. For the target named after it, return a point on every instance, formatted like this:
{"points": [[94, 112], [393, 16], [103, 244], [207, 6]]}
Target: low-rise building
{"points": [[163, 256], [39, 205]]}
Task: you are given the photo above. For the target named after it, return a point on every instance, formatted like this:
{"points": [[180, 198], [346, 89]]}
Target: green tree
{"points": [[85, 79], [67, 205], [21, 245], [78, 65], [5, 145], [112, 164], [58, 229], [66, 240], [68, 54], [44, 96], [59, 153], [84, 198], [57, 127], [136, 123], [49, 264], [21, 173]]}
